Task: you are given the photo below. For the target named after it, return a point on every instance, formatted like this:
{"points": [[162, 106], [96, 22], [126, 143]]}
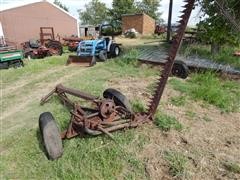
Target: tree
{"points": [[58, 3], [216, 28], [120, 7], [95, 12], [149, 7]]}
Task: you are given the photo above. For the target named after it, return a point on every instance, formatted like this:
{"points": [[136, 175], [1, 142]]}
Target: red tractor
{"points": [[35, 49]]}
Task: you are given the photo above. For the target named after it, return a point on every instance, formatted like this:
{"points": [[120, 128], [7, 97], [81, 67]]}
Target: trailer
{"points": [[10, 57]]}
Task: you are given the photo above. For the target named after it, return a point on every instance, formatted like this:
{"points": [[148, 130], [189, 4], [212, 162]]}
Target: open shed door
{"points": [[2, 40]]}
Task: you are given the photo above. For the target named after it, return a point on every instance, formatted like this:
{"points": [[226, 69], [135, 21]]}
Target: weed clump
{"points": [[211, 89], [166, 122], [232, 167], [177, 163]]}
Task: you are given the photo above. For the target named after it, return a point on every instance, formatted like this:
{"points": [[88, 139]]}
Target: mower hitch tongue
{"points": [[110, 113]]}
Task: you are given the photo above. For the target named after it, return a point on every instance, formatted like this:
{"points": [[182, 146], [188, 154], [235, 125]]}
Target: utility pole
{"points": [[169, 29]]}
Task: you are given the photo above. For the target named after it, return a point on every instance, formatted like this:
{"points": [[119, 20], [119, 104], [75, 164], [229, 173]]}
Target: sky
{"points": [[74, 5]]}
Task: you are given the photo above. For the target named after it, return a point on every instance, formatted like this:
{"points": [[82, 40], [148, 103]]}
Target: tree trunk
{"points": [[215, 48]]}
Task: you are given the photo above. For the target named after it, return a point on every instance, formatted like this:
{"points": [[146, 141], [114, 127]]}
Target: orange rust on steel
{"points": [[105, 132], [45, 98], [113, 123], [155, 99], [65, 99], [60, 88]]}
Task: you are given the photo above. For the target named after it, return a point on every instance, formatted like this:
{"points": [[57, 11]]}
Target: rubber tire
{"points": [[55, 45], [113, 53], [4, 65], [51, 136], [180, 69], [18, 64], [118, 98], [72, 49], [102, 55]]}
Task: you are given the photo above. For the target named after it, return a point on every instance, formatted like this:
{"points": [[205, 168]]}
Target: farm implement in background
{"points": [[46, 46], [10, 57], [110, 113], [72, 42]]}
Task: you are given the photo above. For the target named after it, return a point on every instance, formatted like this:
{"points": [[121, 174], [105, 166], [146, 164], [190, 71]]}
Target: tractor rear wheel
{"points": [[51, 136], [114, 50], [180, 69], [55, 48], [118, 98]]}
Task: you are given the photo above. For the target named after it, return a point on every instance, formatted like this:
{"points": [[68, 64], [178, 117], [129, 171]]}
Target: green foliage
{"points": [[94, 13], [120, 7], [177, 163], [209, 88], [149, 7], [190, 114], [58, 3], [178, 101], [138, 106], [166, 122], [232, 167], [215, 28]]}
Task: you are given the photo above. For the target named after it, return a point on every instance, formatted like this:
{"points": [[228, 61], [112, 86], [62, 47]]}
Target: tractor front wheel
{"points": [[50, 136], [114, 50]]}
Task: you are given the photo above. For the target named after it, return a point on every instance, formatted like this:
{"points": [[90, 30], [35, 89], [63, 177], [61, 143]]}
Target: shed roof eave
{"points": [[40, 1]]}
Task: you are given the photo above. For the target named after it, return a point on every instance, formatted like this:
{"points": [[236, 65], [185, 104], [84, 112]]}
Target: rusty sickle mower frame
{"points": [[110, 113]]}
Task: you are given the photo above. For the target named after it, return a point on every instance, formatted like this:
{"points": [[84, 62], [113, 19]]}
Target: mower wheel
{"points": [[114, 50], [118, 98], [180, 69], [51, 136], [102, 55]]}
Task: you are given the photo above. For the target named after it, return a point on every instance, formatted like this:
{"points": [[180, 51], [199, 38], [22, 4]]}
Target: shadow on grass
{"points": [[40, 142]]}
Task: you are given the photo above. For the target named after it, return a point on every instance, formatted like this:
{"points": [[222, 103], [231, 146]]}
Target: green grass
{"points": [[178, 101], [138, 106], [166, 122], [190, 114], [32, 67], [207, 119], [22, 155], [177, 163], [224, 94], [232, 167], [225, 56]]}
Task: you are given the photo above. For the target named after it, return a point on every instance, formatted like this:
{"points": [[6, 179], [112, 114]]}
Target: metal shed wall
{"points": [[142, 23], [23, 23]]}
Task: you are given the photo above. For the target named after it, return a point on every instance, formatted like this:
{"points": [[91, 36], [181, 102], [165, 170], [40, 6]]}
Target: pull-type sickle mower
{"points": [[110, 113]]}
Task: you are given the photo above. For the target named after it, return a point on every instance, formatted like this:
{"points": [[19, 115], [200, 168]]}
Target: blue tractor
{"points": [[102, 48]]}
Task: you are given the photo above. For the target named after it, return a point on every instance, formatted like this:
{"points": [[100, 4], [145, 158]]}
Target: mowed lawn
{"points": [[191, 125]]}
